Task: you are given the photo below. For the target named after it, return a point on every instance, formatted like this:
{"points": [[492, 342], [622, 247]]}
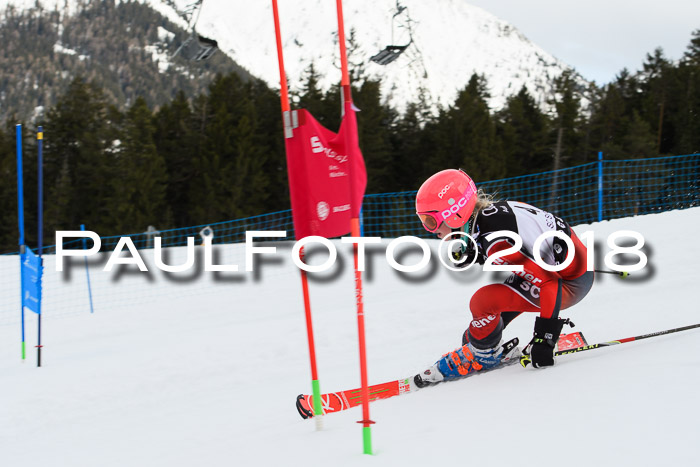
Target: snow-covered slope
{"points": [[451, 40], [204, 370]]}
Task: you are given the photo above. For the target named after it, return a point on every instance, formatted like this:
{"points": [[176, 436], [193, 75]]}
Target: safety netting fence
{"points": [[602, 190]]}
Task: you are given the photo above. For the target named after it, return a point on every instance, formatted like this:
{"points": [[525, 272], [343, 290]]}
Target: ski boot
{"points": [[466, 360]]}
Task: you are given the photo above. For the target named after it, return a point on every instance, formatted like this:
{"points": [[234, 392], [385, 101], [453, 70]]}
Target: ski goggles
{"points": [[431, 220]]}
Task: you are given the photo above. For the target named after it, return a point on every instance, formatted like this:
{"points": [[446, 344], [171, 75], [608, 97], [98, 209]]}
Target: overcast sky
{"points": [[599, 37]]}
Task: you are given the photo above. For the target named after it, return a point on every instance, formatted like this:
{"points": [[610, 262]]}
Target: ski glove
{"points": [[547, 331], [464, 255]]}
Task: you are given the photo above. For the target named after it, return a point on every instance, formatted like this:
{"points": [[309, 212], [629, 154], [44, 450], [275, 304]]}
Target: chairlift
{"points": [[195, 47], [392, 52], [389, 54]]}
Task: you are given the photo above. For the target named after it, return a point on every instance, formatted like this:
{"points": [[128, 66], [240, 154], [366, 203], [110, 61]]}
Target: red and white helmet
{"points": [[449, 196]]}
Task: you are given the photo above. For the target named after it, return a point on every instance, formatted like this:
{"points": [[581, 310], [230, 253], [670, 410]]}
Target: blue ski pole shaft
{"points": [[40, 233], [87, 270], [20, 219]]}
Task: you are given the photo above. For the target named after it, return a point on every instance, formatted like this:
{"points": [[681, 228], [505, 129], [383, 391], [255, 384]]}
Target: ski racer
{"points": [[448, 202]]}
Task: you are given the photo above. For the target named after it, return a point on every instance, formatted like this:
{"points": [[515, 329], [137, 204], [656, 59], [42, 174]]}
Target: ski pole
{"points": [[623, 274], [525, 359]]}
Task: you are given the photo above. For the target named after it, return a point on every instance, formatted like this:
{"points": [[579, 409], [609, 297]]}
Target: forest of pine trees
{"points": [[125, 47], [220, 155]]}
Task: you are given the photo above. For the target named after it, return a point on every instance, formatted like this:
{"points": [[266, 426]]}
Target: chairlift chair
{"points": [[392, 52], [197, 48], [389, 54]]}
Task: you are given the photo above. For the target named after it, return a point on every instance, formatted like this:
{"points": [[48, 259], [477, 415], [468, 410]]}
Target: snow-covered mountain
{"points": [[450, 40]]}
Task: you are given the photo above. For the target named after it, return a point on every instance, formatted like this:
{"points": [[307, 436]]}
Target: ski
{"points": [[342, 400]]}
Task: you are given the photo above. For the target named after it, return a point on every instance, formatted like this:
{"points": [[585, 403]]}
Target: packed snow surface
{"points": [[203, 368]]}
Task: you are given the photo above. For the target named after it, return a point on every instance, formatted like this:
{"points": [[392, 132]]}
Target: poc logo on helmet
{"points": [[454, 209], [445, 190]]}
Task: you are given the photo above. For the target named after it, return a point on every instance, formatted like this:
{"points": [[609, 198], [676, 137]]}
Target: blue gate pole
{"points": [[20, 218], [40, 221], [87, 270], [40, 162], [600, 186]]}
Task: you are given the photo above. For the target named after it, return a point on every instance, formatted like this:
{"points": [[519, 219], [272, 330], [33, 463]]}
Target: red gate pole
{"points": [[355, 232], [286, 121]]}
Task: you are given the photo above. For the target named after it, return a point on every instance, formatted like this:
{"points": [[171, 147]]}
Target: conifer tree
{"points": [[269, 137], [524, 130], [8, 194], [692, 54], [77, 166], [210, 193], [248, 180], [608, 111], [375, 122], [175, 141], [410, 143], [311, 97], [139, 180], [333, 107], [687, 119], [638, 140], [656, 83], [466, 135], [231, 179], [566, 137]]}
